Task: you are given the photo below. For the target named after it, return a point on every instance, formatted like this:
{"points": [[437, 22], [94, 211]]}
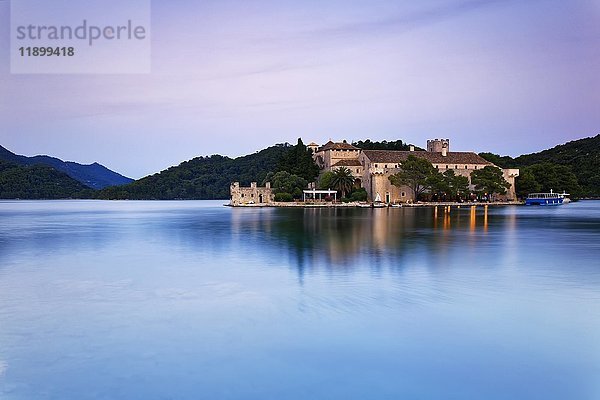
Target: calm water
{"points": [[192, 300]]}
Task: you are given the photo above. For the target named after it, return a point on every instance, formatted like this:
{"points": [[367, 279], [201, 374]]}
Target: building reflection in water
{"points": [[343, 239]]}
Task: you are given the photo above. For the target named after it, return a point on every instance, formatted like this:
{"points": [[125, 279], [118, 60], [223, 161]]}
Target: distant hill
{"points": [[95, 176], [581, 156], [202, 177], [38, 182]]}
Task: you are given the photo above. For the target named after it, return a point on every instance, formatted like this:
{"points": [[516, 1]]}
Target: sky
{"points": [[233, 77]]}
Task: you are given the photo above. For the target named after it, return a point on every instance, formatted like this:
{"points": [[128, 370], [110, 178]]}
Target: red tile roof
{"points": [[348, 163], [454, 157], [337, 146]]}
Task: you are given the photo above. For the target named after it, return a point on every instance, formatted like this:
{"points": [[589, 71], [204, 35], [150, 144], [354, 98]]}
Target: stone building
{"points": [[251, 195], [372, 168], [332, 155]]}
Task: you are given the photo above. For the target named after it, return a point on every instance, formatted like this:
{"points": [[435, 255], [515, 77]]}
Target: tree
{"points": [[458, 185], [489, 180], [298, 161], [383, 145], [359, 195], [438, 186], [526, 183], [284, 182], [326, 180], [416, 173], [544, 177], [342, 181], [447, 186], [581, 156]]}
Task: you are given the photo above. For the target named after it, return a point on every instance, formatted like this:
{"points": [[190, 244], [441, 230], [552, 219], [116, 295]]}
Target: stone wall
{"points": [[250, 195]]}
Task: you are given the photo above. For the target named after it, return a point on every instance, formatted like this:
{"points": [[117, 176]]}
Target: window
{"points": [[456, 167], [385, 166], [376, 166], [403, 194], [242, 194], [476, 167], [466, 167], [446, 167], [357, 170], [437, 166]]}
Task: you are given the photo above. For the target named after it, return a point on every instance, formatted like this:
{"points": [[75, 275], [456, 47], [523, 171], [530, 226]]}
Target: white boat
{"points": [[565, 197], [546, 199]]}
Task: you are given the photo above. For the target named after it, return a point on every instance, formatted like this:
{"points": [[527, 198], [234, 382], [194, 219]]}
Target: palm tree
{"points": [[343, 180]]}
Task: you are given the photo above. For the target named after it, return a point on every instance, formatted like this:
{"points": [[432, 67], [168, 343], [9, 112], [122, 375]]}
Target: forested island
{"points": [[574, 167]]}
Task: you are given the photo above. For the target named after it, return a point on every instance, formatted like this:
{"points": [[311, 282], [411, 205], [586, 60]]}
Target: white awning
{"points": [[319, 193], [314, 191]]}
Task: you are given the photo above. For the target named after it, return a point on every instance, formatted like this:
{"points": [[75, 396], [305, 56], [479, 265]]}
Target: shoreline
{"points": [[371, 205]]}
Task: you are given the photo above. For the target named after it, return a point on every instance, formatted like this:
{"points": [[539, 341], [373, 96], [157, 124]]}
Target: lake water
{"points": [[193, 300]]}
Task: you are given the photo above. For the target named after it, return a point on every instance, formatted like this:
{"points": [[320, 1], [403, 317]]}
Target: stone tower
{"points": [[313, 146], [437, 145]]}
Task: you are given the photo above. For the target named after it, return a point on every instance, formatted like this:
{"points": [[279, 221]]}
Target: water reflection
{"points": [[152, 300], [340, 236]]}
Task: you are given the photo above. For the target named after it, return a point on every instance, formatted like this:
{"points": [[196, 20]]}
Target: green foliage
{"points": [[448, 186], [326, 180], [545, 177], [285, 197], [437, 185], [299, 161], [501, 161], [581, 156], [416, 173], [284, 182], [489, 180], [38, 182], [342, 181], [202, 177], [359, 195], [458, 185], [383, 145], [527, 183], [95, 176]]}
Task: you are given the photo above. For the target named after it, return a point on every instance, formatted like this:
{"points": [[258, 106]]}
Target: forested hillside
{"points": [[38, 182], [579, 159], [202, 177], [94, 175]]}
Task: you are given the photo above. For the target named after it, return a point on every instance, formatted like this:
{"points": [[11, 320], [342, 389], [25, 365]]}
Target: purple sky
{"points": [[232, 77]]}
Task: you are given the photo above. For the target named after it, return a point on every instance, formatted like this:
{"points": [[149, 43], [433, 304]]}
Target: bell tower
{"points": [[438, 145]]}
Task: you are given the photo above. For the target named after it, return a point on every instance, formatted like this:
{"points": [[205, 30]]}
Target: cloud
{"points": [[402, 22]]}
